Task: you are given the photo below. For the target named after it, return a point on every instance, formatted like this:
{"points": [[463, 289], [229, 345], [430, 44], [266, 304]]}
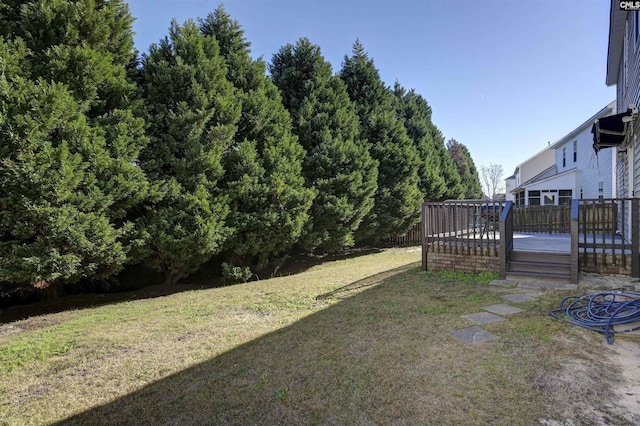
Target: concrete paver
{"points": [[547, 286], [504, 283], [484, 318], [501, 309], [519, 298], [474, 335], [497, 313]]}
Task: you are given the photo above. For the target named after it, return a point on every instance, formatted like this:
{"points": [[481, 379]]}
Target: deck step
{"points": [[524, 265], [541, 276], [536, 267], [542, 257]]}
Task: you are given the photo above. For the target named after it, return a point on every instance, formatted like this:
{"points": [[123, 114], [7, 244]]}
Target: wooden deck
{"points": [[460, 234]]}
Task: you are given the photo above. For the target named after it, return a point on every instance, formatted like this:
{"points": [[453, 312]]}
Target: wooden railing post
{"points": [[635, 239], [575, 230], [506, 237], [424, 236]]}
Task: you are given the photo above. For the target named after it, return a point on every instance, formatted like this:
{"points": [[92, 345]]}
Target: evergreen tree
{"points": [[455, 189], [192, 115], [415, 113], [67, 108], [268, 199], [466, 169], [338, 164], [398, 198]]}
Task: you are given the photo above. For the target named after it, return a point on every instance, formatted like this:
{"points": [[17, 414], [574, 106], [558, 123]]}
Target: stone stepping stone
{"points": [[504, 283], [548, 286], [484, 318], [503, 310], [519, 298], [473, 335]]}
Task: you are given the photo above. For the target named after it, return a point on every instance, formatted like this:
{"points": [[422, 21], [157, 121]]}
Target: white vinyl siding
{"points": [[629, 75], [591, 168]]}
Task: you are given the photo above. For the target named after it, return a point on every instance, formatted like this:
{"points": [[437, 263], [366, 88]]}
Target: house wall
{"points": [[510, 185], [628, 84], [533, 166], [628, 92], [592, 168], [565, 181]]}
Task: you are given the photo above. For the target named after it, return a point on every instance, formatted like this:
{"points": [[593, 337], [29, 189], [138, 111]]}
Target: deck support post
{"points": [[424, 236], [575, 236], [635, 238], [506, 237]]}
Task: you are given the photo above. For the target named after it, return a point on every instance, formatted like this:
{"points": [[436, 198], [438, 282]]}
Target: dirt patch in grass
{"points": [[365, 340], [584, 389]]}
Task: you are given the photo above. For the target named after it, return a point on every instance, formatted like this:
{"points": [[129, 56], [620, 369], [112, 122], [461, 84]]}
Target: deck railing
{"points": [[605, 233], [608, 233], [575, 226], [412, 237], [542, 219], [506, 237], [462, 227]]}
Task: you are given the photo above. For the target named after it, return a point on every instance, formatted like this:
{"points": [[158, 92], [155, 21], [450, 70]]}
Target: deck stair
{"points": [[529, 265]]}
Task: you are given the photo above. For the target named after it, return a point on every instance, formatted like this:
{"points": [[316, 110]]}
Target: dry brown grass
{"points": [[358, 341]]}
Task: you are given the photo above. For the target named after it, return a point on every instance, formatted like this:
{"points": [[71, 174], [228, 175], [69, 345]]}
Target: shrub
{"points": [[236, 274]]}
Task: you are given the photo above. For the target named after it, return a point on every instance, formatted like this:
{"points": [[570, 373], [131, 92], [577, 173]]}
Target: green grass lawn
{"points": [[364, 340]]}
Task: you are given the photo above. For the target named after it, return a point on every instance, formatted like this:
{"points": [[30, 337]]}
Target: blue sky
{"points": [[502, 77]]}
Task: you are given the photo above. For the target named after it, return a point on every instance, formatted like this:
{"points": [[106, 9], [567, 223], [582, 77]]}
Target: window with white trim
{"points": [[600, 190], [564, 197]]}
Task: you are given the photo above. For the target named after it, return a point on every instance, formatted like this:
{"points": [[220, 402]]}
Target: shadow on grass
{"points": [[347, 290], [371, 358]]}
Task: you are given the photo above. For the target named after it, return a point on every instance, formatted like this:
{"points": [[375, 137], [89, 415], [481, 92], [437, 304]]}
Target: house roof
{"points": [[617, 20], [551, 171], [545, 178], [604, 112]]}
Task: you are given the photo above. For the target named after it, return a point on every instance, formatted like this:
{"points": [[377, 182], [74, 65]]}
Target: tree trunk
{"points": [[172, 278], [51, 291]]}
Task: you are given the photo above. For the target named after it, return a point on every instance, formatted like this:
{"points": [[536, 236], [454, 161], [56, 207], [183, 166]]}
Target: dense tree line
{"points": [[110, 158]]}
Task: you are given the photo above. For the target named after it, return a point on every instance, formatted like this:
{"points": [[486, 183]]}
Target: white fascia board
{"points": [[547, 182], [617, 21], [604, 112]]}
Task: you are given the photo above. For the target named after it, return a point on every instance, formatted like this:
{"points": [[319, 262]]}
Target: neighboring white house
{"points": [[569, 168], [533, 167], [623, 70]]}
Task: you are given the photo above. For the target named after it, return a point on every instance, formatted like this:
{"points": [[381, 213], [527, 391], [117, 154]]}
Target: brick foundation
{"points": [[604, 264], [462, 262], [479, 263]]}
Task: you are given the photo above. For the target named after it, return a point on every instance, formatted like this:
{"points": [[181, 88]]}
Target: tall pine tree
{"points": [[192, 113], [398, 198], [466, 169], [415, 113], [71, 139], [455, 189], [338, 164], [268, 199]]}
